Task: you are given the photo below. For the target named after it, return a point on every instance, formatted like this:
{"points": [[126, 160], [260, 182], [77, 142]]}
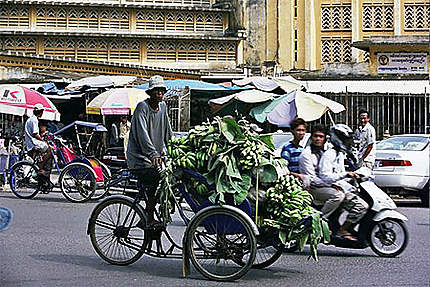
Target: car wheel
{"points": [[425, 194]]}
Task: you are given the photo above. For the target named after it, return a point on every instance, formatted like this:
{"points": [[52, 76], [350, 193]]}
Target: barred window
{"points": [[125, 50], [114, 19], [18, 44], [150, 20], [217, 51], [378, 17], [336, 50], [83, 18], [94, 49], [417, 16], [155, 20], [336, 17], [51, 17], [14, 16]]}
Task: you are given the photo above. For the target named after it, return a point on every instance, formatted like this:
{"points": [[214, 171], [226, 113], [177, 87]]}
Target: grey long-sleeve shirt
{"points": [[149, 133], [332, 166], [308, 165]]}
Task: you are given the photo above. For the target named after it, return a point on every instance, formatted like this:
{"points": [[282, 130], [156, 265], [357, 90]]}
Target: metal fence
{"points": [[399, 114], [178, 108]]}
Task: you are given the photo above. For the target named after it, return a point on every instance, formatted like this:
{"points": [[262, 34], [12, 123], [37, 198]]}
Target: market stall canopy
{"points": [[101, 82], [95, 126], [121, 101], [239, 102], [192, 85], [266, 84], [283, 110], [248, 96], [18, 100]]}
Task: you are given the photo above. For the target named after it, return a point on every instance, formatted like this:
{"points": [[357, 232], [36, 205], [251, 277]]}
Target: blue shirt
{"points": [[291, 153]]}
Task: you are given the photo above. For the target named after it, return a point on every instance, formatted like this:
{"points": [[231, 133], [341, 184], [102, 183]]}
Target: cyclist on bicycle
{"points": [[34, 144], [149, 133]]}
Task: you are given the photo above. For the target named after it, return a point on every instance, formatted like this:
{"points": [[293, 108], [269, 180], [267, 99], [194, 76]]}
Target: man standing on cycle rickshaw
{"points": [[150, 131], [35, 146]]}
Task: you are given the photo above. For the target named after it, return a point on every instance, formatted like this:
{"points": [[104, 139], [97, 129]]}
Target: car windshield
{"points": [[403, 143]]}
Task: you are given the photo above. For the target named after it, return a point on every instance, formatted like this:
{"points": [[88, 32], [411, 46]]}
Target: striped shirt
{"points": [[291, 153]]}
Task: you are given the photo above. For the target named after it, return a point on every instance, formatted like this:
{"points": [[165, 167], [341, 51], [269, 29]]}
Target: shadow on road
{"points": [[166, 268], [332, 253], [41, 197]]}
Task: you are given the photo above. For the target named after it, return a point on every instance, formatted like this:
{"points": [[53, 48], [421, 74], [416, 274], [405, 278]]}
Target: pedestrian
{"points": [[292, 150], [332, 171], [324, 194], [149, 134], [35, 144], [365, 134], [124, 130]]}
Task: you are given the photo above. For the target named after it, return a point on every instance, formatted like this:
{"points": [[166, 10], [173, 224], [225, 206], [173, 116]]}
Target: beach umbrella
{"points": [[101, 82], [19, 100], [283, 110], [121, 101]]}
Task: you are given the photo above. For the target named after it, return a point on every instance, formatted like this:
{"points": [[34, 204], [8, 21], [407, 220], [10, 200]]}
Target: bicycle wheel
{"points": [[77, 182], [217, 240], [102, 189], [266, 255], [23, 180], [114, 232], [185, 212]]}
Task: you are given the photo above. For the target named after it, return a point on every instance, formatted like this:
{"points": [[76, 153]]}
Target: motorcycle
{"points": [[382, 228]]}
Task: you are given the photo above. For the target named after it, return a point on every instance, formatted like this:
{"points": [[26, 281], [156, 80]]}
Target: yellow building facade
{"points": [[307, 34], [190, 34]]}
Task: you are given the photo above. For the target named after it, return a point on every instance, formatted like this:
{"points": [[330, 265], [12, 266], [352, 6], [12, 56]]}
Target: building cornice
{"points": [[145, 35], [133, 69], [392, 41], [118, 5]]}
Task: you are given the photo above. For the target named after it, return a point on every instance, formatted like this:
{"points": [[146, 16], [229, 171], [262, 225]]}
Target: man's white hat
{"points": [[39, 107], [156, 82]]}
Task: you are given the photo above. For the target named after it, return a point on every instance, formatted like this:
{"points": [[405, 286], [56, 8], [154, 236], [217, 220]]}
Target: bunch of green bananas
{"points": [[187, 160], [287, 201], [251, 155]]}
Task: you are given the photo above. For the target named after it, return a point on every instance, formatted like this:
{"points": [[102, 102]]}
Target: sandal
{"points": [[347, 236]]}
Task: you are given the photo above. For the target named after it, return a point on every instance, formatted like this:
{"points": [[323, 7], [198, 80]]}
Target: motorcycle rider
{"points": [[324, 194], [332, 172]]}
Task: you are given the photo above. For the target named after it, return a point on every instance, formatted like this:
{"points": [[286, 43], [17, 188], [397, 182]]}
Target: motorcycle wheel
{"points": [[388, 237]]}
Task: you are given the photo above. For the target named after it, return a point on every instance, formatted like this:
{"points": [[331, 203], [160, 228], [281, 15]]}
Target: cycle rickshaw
{"points": [[222, 242], [78, 174]]}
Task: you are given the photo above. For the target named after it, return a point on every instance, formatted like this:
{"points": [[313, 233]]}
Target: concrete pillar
{"points": [[312, 17], [398, 17], [356, 12], [286, 34]]}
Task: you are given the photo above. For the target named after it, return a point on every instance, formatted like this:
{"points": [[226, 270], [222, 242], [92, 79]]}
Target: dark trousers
{"points": [[147, 181]]}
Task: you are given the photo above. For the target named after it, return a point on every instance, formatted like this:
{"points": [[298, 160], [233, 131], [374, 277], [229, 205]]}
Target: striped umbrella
{"points": [[18, 100], [120, 101]]}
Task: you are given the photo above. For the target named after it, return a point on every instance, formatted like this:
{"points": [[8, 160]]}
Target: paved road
{"points": [[47, 245]]}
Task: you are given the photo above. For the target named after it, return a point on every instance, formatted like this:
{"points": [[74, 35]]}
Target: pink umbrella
{"points": [[18, 100]]}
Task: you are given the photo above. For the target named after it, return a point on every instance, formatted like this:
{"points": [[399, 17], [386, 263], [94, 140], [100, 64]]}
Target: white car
{"points": [[402, 165]]}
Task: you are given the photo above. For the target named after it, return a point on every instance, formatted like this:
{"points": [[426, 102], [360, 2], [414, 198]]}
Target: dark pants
{"points": [[147, 181], [43, 160]]}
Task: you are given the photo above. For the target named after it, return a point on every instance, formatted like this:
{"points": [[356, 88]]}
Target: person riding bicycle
{"points": [[332, 171], [35, 144], [150, 132]]}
